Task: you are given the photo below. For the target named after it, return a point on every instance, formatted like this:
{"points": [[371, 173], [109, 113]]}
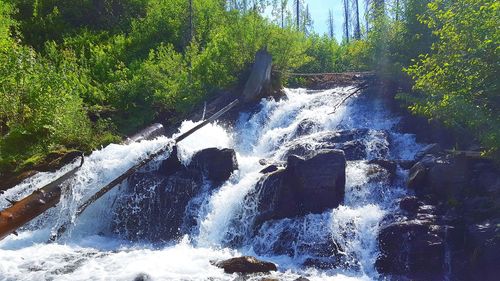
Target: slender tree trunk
{"points": [[191, 32], [346, 20], [357, 30], [283, 7], [297, 10], [397, 10], [331, 30]]}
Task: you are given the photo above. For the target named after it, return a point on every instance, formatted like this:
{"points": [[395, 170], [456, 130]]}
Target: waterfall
{"points": [[224, 215]]}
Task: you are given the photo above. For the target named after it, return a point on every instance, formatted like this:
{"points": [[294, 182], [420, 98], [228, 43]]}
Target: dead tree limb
{"points": [[360, 88]]}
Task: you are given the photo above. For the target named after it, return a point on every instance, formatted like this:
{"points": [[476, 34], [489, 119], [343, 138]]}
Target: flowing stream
{"points": [[90, 250]]}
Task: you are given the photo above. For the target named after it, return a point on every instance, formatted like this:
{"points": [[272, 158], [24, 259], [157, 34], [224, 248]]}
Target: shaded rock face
{"points": [[443, 176], [245, 265], [414, 248], [451, 228], [158, 204], [310, 184], [484, 241]]}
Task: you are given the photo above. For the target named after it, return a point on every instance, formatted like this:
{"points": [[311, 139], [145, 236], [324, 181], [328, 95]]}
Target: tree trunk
{"points": [[357, 30], [23, 211], [346, 20]]}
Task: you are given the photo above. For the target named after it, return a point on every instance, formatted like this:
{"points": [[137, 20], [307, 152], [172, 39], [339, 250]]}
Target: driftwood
{"points": [[32, 206], [140, 165]]}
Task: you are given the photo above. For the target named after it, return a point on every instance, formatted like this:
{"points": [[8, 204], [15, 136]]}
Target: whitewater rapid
{"points": [[91, 251]]}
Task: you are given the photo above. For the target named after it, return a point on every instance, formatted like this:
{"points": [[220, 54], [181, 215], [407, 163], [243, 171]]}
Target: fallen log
{"points": [[140, 165], [23, 211]]}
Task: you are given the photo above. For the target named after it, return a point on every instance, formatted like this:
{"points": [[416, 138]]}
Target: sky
{"points": [[319, 14]]}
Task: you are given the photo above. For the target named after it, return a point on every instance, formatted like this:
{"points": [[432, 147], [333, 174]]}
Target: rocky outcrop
{"points": [[440, 176], [414, 248], [448, 230], [310, 184], [245, 265], [156, 204]]}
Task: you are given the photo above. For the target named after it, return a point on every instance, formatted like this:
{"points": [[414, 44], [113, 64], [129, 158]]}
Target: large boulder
{"points": [[310, 184], [216, 164], [245, 265], [414, 247], [155, 205], [443, 177]]}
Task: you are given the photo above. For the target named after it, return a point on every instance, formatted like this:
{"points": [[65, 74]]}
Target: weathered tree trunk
{"points": [[260, 78]]}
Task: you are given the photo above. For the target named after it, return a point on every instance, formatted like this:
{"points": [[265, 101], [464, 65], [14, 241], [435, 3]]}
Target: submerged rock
{"points": [[310, 184], [245, 265], [353, 142]]}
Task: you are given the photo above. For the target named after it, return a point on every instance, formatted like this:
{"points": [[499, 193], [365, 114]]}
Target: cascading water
{"points": [[224, 216]]}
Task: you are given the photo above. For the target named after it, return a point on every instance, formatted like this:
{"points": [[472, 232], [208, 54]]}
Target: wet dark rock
{"points": [[154, 207], [418, 176], [142, 277], [389, 165], [269, 169], [413, 247], [301, 279], [350, 141], [155, 204], [308, 185], [443, 177], [406, 164], [216, 164], [483, 241], [245, 265], [409, 204], [321, 263], [305, 127], [432, 149], [480, 208], [172, 164]]}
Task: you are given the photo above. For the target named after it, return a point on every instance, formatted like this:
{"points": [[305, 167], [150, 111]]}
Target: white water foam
{"points": [[90, 253]]}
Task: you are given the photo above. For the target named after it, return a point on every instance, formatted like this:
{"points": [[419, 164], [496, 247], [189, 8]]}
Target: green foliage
{"points": [[459, 79], [78, 74], [40, 104]]}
